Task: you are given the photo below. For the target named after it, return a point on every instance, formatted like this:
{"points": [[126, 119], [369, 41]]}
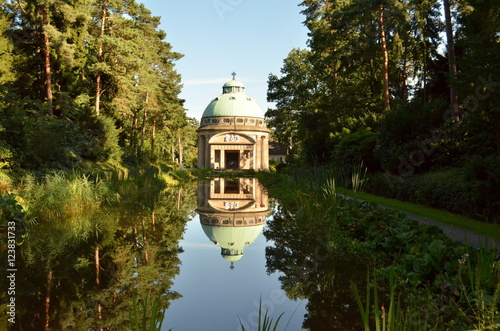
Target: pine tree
{"points": [[7, 57]]}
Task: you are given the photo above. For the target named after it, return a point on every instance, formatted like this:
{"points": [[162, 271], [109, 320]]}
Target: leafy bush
{"points": [[482, 178], [51, 142], [111, 147], [6, 155], [405, 129], [356, 148]]}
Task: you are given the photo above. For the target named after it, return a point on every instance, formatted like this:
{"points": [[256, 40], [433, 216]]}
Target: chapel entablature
{"points": [[224, 122]]}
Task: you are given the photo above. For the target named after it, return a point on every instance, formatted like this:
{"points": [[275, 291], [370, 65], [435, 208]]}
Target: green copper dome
{"points": [[232, 239], [233, 102]]}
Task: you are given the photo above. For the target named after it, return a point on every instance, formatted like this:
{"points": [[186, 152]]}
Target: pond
{"points": [[208, 253]]}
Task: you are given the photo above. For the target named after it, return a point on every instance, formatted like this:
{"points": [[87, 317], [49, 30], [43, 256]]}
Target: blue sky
{"points": [[217, 37]]}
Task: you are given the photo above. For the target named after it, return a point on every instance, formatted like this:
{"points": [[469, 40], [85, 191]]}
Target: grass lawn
{"points": [[486, 229]]}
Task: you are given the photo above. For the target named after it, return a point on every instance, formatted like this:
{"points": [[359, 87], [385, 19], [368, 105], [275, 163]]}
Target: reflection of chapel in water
{"points": [[232, 213], [233, 133]]}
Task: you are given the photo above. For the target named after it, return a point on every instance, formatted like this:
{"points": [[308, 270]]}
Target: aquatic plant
{"points": [[479, 279], [60, 196], [358, 178], [144, 318], [265, 322], [397, 317]]}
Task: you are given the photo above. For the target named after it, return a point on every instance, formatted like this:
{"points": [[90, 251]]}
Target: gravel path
{"points": [[470, 238]]}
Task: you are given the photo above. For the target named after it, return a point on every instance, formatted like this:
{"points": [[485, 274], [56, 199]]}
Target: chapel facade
{"points": [[233, 133]]}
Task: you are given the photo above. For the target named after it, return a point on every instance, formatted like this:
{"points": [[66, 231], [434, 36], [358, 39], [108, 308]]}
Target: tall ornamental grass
{"points": [[61, 197]]}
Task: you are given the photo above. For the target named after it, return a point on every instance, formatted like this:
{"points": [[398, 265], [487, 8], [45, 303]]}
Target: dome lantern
{"points": [[233, 86]]}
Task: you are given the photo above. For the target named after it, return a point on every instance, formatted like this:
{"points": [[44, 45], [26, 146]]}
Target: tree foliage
{"points": [[87, 81], [338, 86]]}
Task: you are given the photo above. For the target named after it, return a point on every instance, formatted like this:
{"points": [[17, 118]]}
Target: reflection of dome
{"points": [[233, 102], [232, 239]]}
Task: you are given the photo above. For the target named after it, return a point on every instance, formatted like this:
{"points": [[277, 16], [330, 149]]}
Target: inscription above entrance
{"points": [[231, 205], [233, 138]]}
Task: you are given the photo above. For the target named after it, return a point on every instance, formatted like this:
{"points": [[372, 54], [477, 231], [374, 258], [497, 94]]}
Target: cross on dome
{"points": [[234, 75]]}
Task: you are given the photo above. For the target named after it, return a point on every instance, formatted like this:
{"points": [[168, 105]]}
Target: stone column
{"points": [[265, 152], [201, 151], [262, 153], [222, 164], [258, 153], [212, 157], [206, 159], [253, 156]]}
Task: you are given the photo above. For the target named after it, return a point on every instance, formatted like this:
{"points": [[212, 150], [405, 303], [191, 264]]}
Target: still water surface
{"points": [[223, 273], [238, 249]]}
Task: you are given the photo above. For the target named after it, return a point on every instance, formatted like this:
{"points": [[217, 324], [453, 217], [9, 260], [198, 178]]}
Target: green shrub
{"points": [[404, 127], [482, 177], [109, 141], [357, 147], [6, 155], [51, 142]]}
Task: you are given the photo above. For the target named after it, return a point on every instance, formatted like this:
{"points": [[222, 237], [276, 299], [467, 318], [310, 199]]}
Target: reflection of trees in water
{"points": [[314, 270], [80, 271]]}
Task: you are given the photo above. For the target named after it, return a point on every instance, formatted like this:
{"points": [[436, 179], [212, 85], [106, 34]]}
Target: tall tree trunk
{"points": [[98, 278], [133, 134], [144, 120], [97, 266], [46, 51], [385, 65], [98, 89], [452, 66], [47, 299], [404, 80], [144, 240], [180, 152], [424, 73], [153, 137], [153, 220], [179, 198]]}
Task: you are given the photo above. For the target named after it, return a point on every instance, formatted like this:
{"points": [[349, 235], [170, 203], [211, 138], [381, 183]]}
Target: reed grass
{"points": [[143, 318], [265, 322], [358, 178], [479, 279], [375, 316], [65, 201]]}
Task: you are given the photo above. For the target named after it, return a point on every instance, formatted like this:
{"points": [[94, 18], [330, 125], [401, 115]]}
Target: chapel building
{"points": [[233, 133]]}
